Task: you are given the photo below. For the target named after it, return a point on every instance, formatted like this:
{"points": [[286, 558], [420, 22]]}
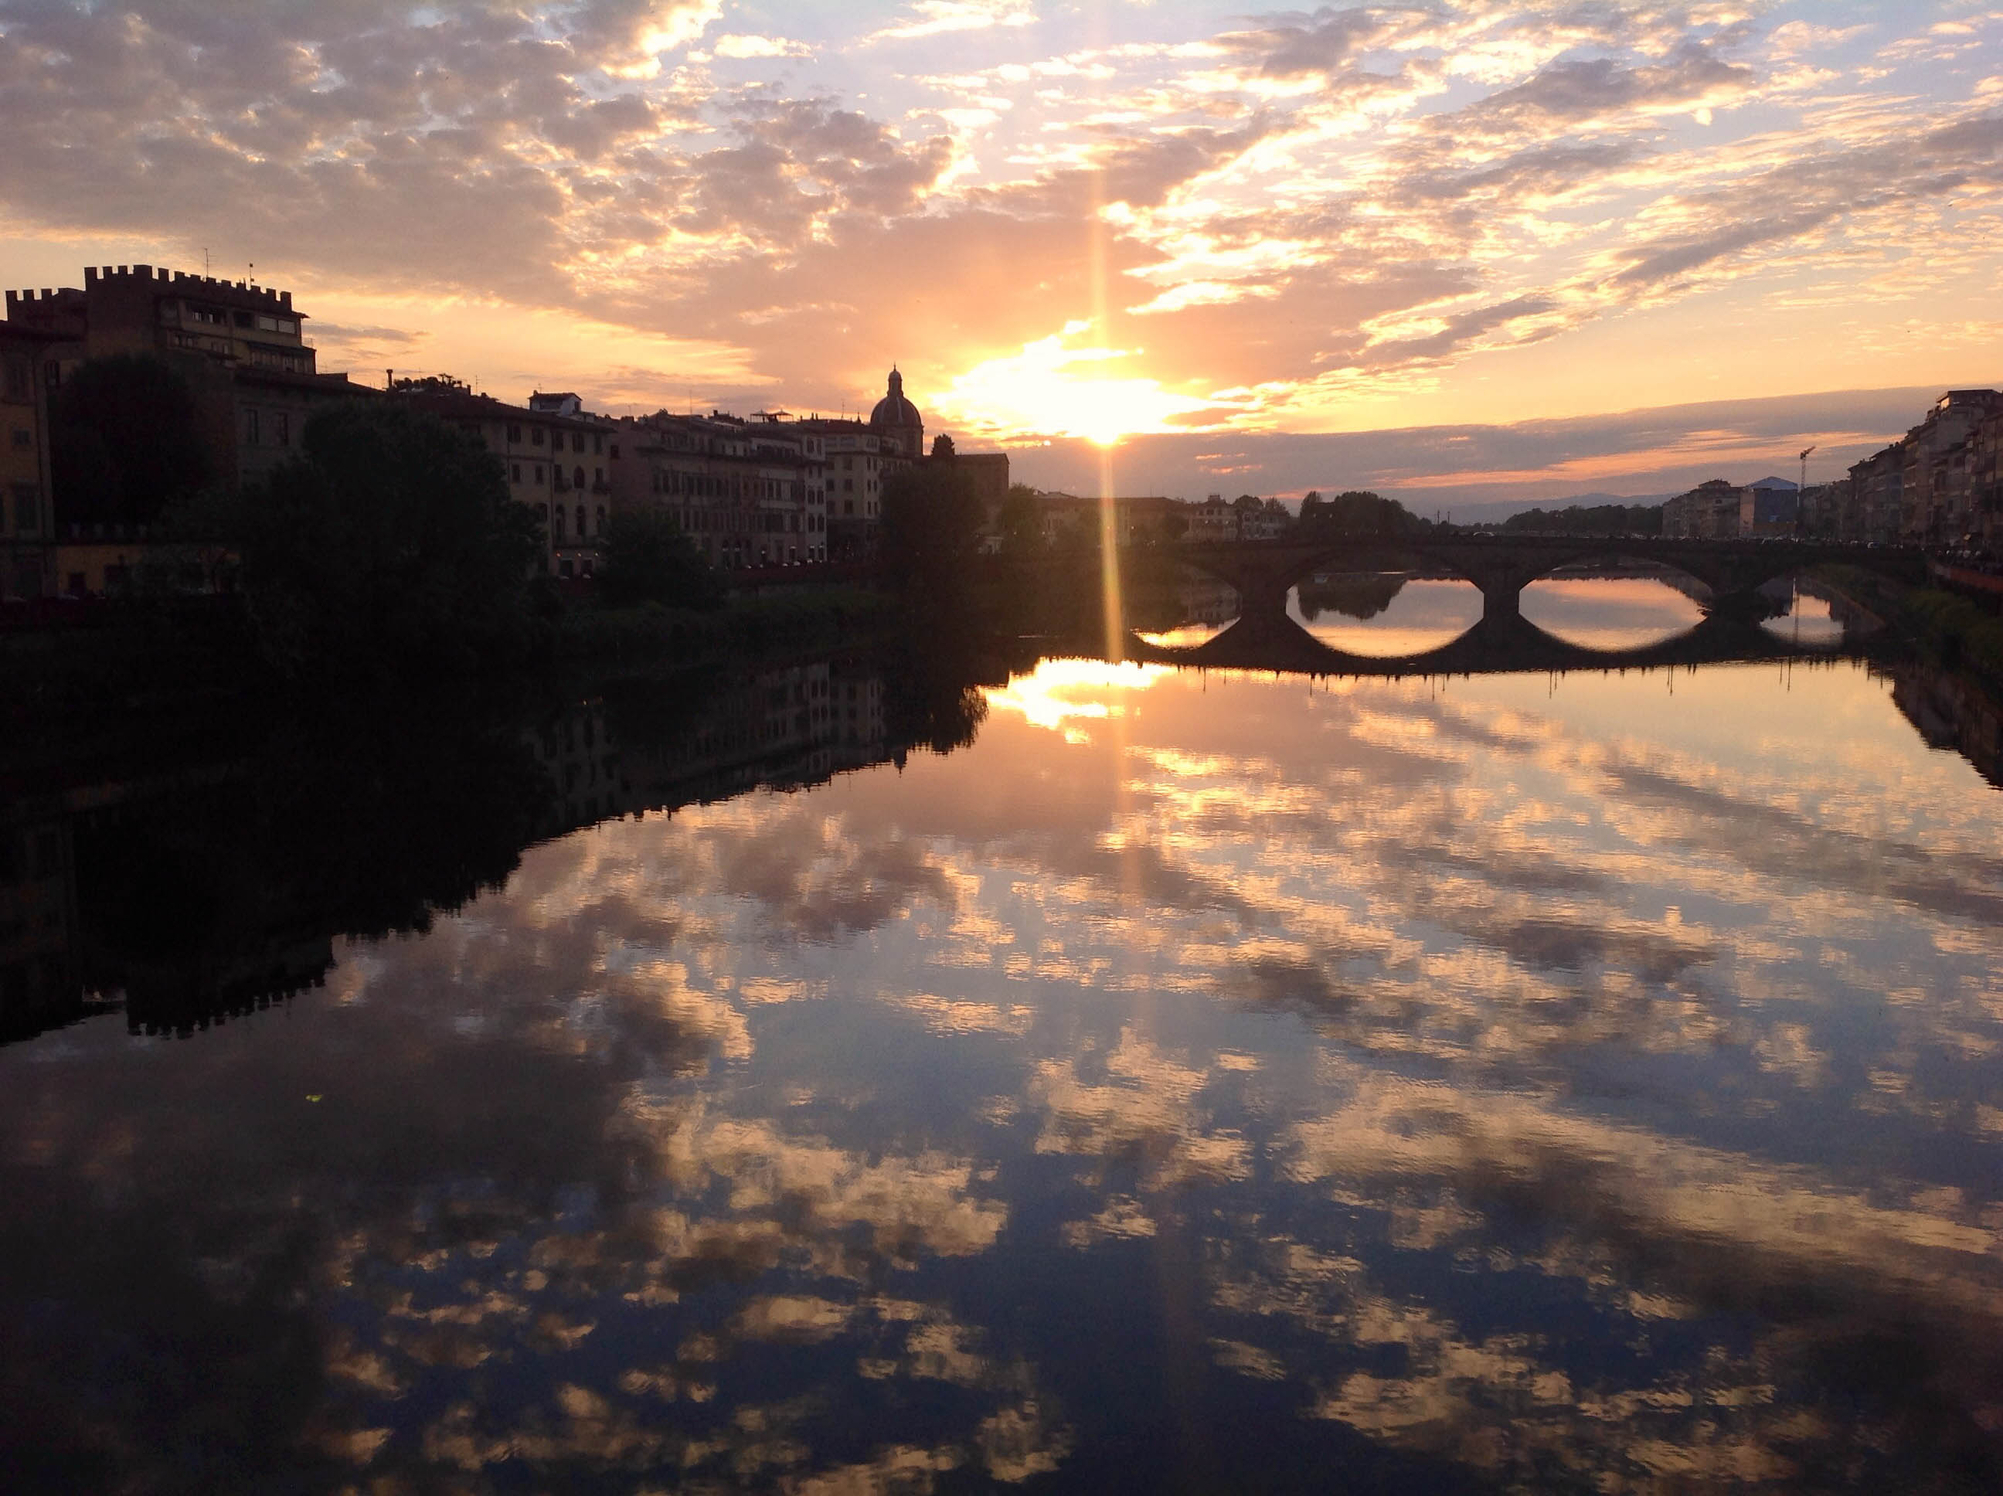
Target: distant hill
{"points": [[1499, 512]]}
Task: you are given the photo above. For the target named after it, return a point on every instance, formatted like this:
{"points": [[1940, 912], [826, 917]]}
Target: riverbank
{"points": [[1954, 631]]}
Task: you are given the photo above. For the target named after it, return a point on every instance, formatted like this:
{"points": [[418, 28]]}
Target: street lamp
{"points": [[1801, 497]]}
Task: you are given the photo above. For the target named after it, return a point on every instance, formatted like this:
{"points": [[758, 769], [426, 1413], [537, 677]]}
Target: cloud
{"points": [[758, 46], [1286, 214], [945, 17], [1641, 452]]}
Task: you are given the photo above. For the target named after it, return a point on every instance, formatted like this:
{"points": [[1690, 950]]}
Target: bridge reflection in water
{"points": [[1746, 625]]}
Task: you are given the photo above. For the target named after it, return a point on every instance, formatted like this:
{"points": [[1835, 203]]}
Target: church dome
{"points": [[894, 413]]}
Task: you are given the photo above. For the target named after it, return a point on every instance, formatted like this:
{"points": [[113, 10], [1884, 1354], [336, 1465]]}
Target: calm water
{"points": [[1193, 1083]]}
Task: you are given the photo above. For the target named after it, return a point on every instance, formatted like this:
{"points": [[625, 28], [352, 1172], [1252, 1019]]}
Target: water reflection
{"points": [[1385, 615], [1102, 1076], [1806, 619], [1612, 613]]}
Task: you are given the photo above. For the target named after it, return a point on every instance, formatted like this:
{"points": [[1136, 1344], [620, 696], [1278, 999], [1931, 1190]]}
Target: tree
{"points": [[125, 442], [1021, 520], [931, 528], [1357, 512], [648, 559], [390, 546]]}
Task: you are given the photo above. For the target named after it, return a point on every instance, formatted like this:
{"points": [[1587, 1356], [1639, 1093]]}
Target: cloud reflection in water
{"points": [[1595, 1090]]}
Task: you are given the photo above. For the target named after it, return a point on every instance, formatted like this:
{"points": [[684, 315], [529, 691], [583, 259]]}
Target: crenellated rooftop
{"points": [[245, 295]]}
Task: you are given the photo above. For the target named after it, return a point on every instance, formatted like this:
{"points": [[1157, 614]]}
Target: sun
{"points": [[1051, 390]]}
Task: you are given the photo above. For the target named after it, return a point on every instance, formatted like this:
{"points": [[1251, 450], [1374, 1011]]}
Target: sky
{"points": [[1471, 252]]}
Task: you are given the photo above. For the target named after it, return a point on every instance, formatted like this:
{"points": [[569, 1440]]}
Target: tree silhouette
{"points": [[125, 442]]}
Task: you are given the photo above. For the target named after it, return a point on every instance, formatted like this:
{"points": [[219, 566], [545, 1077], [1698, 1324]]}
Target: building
{"points": [[1710, 511], [558, 465], [897, 420], [1139, 519], [241, 347], [749, 493], [1770, 506], [28, 567], [1876, 505], [1935, 490], [1261, 519], [860, 459], [1985, 482], [1211, 521]]}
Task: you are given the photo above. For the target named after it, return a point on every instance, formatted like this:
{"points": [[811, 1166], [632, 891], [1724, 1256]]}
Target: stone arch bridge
{"points": [[1265, 637], [1503, 565]]}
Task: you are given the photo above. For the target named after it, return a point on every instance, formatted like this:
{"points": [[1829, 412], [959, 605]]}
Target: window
{"points": [[538, 472], [601, 519], [598, 446], [284, 428], [582, 530], [20, 383], [615, 451], [250, 428], [52, 374], [245, 319], [598, 475], [27, 508], [288, 326], [535, 435], [556, 524], [266, 322], [515, 473], [23, 437], [514, 432], [577, 441], [577, 477]]}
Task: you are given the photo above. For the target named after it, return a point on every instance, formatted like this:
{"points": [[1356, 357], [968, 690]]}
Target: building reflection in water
{"points": [[1206, 1080]]}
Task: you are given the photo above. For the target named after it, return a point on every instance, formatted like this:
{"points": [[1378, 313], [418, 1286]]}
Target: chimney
{"points": [[389, 379]]}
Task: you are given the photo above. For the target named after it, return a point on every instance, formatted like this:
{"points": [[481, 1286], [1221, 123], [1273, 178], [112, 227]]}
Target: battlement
{"points": [[230, 293]]}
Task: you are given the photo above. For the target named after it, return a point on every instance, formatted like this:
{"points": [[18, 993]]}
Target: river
{"points": [[1184, 1081]]}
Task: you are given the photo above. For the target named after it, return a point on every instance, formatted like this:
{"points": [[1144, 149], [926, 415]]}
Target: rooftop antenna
{"points": [[253, 273], [205, 260]]}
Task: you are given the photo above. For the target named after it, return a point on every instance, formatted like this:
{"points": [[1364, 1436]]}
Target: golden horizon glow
{"points": [[1047, 391]]}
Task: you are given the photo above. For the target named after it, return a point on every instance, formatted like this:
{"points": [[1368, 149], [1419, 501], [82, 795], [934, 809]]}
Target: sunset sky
{"points": [[1471, 251]]}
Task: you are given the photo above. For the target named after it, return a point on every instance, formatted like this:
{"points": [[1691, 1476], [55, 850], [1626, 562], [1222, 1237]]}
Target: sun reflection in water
{"points": [[1061, 695]]}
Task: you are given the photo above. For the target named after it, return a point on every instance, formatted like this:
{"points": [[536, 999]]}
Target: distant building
{"points": [[1261, 519], [1771, 506], [897, 420], [1212, 520], [1138, 519], [1710, 511]]}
